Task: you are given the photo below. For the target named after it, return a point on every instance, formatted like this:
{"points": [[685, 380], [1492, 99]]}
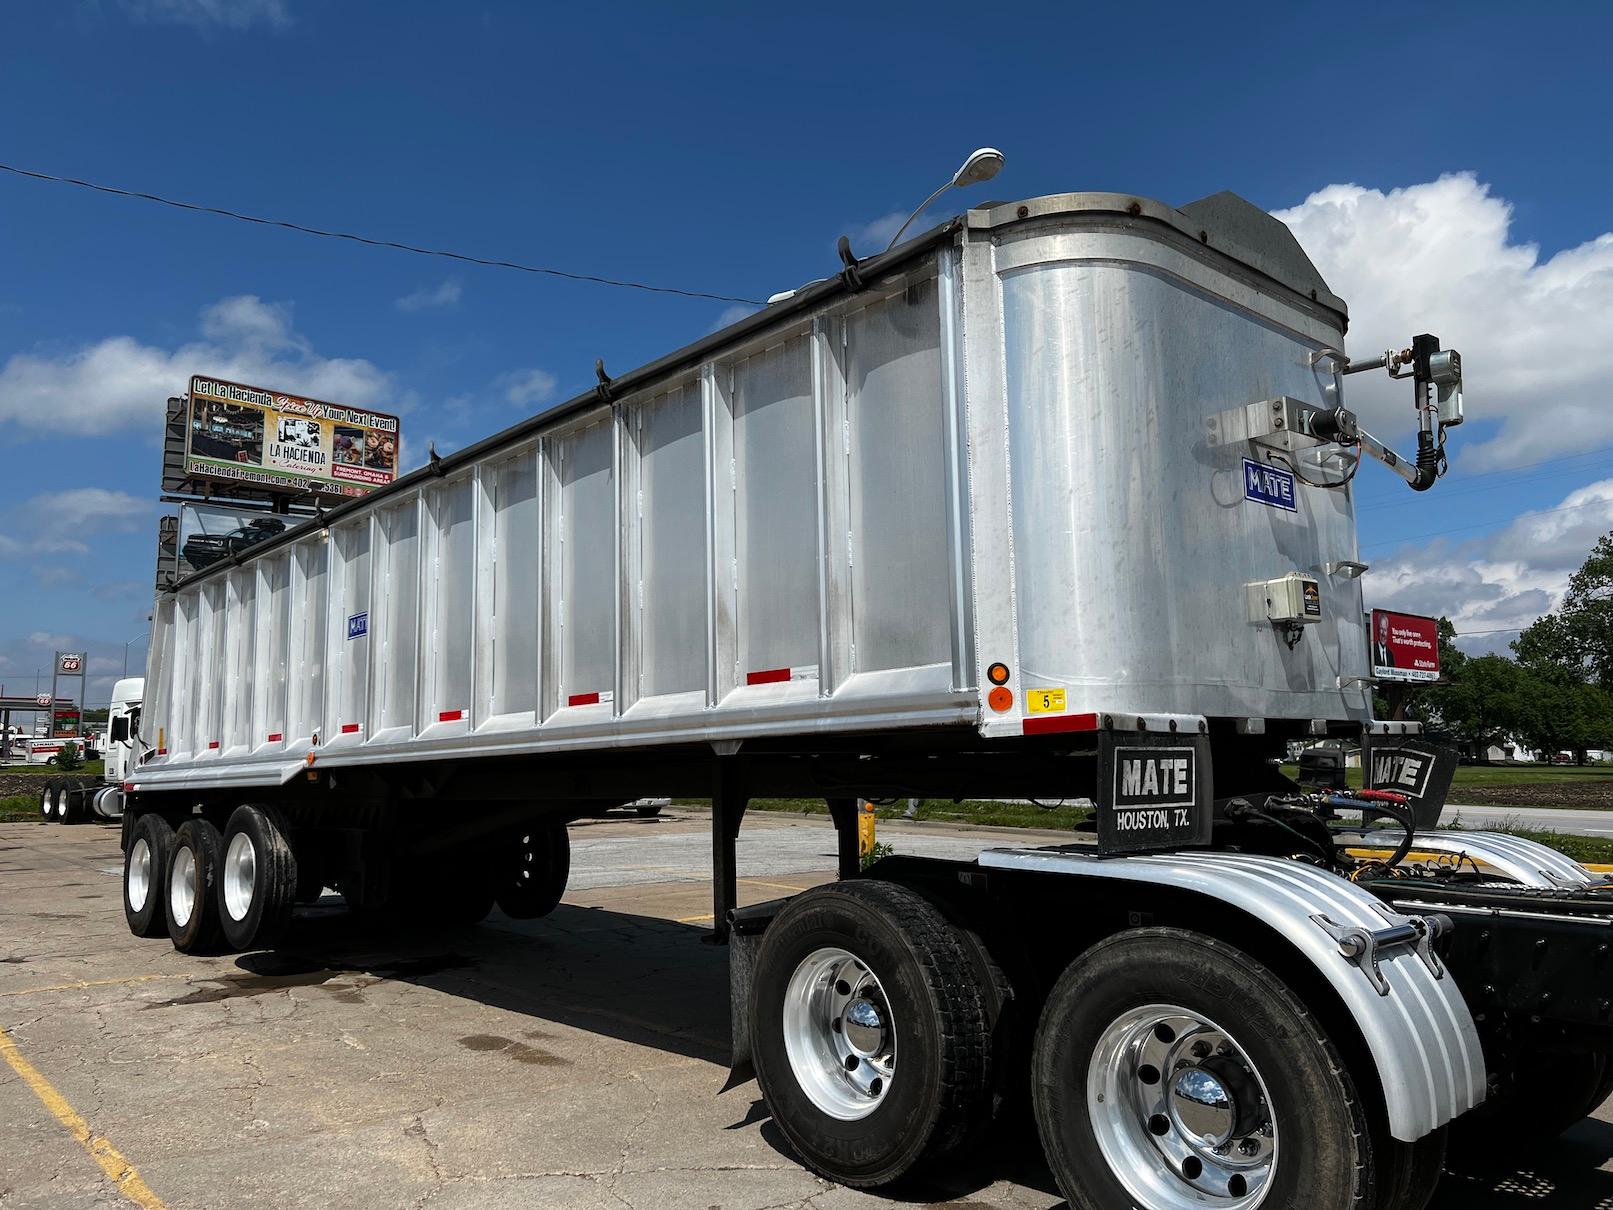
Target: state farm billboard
{"points": [[278, 442], [1405, 647]]}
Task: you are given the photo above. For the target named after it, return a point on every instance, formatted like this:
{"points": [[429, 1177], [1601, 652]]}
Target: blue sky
{"points": [[1450, 158]]}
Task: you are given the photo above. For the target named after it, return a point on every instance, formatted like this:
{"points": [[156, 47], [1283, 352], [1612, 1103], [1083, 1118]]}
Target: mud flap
{"points": [[1420, 770], [746, 926]]}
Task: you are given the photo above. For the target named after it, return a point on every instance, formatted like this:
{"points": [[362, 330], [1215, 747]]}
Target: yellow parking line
{"points": [[122, 1173], [780, 886], [82, 984]]}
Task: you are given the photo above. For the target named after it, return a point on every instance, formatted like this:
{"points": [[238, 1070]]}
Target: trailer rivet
{"points": [[1023, 212], [1134, 209]]}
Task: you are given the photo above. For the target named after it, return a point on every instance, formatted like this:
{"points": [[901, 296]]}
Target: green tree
{"points": [[1578, 638], [67, 757], [1487, 698]]}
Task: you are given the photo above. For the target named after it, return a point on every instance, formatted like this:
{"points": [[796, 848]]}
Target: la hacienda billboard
{"points": [[279, 442]]}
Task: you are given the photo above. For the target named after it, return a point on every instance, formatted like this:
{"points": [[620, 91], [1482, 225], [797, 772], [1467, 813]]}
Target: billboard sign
{"points": [[69, 663], [255, 437], [1404, 646]]}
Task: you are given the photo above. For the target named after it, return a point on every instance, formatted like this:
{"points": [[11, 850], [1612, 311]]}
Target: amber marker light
{"points": [[997, 674], [1000, 699]]}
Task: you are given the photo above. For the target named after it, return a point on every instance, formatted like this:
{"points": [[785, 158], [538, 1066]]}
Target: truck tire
{"points": [[47, 800], [850, 978], [542, 866], [192, 882], [257, 883], [1543, 1096], [462, 892], [145, 876], [71, 801], [1158, 1045]]}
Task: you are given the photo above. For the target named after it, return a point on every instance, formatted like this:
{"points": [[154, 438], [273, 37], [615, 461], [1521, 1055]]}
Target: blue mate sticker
{"points": [[358, 625], [1267, 485]]}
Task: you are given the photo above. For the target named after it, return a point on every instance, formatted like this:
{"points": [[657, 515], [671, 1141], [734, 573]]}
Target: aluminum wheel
{"points": [[61, 804], [839, 1034], [1180, 1113], [240, 876], [181, 886], [139, 874]]}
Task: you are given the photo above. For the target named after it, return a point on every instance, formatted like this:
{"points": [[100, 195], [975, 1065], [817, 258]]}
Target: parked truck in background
{"points": [[1053, 501], [74, 799]]}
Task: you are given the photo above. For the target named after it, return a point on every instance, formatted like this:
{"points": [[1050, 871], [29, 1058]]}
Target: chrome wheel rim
{"points": [[839, 1034], [240, 875], [181, 886], [61, 804], [139, 874], [1180, 1112]]}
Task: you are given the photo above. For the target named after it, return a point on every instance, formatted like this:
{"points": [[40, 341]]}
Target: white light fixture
{"points": [[982, 164]]}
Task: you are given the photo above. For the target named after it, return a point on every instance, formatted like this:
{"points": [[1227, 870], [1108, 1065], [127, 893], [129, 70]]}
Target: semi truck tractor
{"points": [[1052, 501], [79, 799]]}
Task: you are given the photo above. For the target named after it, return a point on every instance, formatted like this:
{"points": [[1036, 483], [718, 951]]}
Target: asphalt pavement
{"points": [[1546, 819], [574, 1061]]}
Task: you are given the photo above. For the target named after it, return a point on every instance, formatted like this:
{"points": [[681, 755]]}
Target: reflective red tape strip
{"points": [[771, 676], [276, 737], [1049, 723], [351, 728], [583, 699], [450, 716], [211, 744], [162, 751]]}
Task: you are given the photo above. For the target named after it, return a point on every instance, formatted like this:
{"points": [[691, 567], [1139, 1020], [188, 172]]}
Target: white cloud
{"points": [[732, 315], [234, 15], [427, 298], [1439, 257], [527, 388], [870, 238], [36, 546], [119, 384], [1495, 585], [54, 575], [78, 506]]}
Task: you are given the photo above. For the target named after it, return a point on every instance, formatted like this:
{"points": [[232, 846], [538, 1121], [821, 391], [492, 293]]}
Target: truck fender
{"points": [[1416, 1025], [1524, 861]]}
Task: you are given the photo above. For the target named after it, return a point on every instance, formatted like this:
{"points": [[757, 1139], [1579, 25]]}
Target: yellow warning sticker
{"points": [[1044, 701]]}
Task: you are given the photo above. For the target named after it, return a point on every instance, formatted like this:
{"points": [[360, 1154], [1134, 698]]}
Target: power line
{"points": [[374, 243]]}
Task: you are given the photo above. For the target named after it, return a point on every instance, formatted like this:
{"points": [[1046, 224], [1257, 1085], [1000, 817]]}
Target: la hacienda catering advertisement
{"points": [[248, 434]]}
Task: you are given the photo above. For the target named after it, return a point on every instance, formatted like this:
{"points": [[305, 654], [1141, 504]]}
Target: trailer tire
{"points": [[145, 876], [1120, 1023], [257, 883], [192, 879], [542, 867], [1544, 1097], [880, 951]]}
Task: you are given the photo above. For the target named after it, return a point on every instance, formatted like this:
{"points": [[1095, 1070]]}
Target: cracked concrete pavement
{"points": [[573, 1061]]}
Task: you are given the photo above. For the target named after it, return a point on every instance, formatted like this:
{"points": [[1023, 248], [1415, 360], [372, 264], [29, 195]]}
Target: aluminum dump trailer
{"points": [[1053, 501]]}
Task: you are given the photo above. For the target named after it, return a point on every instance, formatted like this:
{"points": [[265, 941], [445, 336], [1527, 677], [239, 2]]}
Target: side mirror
{"points": [[120, 730]]}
